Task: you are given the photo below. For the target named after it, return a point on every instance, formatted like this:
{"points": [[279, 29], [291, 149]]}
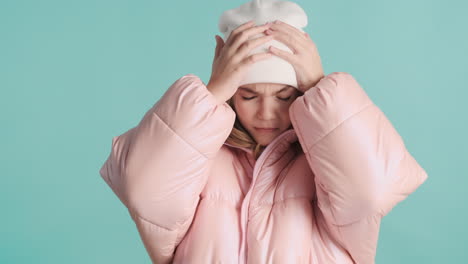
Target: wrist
{"points": [[308, 85], [214, 92]]}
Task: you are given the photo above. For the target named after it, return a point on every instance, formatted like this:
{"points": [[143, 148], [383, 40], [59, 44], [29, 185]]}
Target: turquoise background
{"points": [[74, 74]]}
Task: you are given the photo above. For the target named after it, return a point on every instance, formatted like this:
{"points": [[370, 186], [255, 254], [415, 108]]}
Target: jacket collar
{"points": [[283, 141]]}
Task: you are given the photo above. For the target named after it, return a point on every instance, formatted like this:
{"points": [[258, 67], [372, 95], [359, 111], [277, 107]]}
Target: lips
{"points": [[266, 129]]}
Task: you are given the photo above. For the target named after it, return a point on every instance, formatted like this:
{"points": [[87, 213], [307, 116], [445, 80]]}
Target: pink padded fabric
{"points": [[196, 199]]}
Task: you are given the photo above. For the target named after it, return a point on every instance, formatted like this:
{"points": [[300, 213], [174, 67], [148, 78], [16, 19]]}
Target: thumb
{"points": [[219, 45]]}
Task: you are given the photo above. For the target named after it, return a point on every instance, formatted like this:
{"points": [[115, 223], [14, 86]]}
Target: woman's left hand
{"points": [[305, 57]]}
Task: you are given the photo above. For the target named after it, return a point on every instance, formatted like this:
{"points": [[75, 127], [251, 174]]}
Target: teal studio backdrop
{"points": [[74, 74]]}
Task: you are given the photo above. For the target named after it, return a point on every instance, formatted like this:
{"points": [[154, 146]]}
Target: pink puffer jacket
{"points": [[196, 199]]}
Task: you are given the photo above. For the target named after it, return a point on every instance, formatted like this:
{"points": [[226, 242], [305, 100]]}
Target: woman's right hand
{"points": [[231, 61]]}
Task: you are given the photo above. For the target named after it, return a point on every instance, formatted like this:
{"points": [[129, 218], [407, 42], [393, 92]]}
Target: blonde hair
{"points": [[240, 137]]}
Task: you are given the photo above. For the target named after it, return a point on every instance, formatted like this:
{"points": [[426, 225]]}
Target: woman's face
{"points": [[264, 105]]}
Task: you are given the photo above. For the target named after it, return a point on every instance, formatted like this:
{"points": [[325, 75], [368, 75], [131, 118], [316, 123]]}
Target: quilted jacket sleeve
{"points": [[361, 165], [158, 168]]}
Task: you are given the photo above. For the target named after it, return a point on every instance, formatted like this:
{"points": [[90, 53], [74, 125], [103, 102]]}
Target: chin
{"points": [[265, 139]]}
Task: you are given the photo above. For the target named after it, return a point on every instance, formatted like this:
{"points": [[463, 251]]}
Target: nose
{"points": [[266, 110]]}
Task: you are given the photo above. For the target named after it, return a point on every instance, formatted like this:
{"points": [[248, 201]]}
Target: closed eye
{"points": [[250, 98]]}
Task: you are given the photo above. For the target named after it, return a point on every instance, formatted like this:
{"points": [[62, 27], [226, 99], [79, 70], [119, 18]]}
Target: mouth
{"points": [[266, 129]]}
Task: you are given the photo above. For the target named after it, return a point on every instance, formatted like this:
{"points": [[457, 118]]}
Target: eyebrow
{"points": [[254, 92]]}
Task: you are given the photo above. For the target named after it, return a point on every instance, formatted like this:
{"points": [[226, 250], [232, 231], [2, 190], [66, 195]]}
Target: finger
{"points": [[309, 39], [241, 37], [251, 44], [219, 45], [243, 26], [285, 27], [291, 58], [254, 58], [295, 46], [295, 37], [239, 29]]}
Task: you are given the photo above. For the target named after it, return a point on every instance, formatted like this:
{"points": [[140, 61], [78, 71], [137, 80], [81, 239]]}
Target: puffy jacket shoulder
{"points": [[159, 167]]}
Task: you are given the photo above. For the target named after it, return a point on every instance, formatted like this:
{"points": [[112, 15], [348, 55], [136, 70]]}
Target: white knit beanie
{"points": [[273, 69]]}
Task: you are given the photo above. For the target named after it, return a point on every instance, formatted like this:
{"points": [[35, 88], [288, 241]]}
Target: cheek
{"points": [[286, 120], [245, 111], [284, 113]]}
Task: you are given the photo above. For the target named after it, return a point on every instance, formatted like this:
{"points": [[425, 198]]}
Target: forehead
{"points": [[265, 88]]}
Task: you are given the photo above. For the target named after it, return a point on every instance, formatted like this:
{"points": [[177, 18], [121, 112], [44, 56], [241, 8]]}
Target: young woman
{"points": [[264, 172]]}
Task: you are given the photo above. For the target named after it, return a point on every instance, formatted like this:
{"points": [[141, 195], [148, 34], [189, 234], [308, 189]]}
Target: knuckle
{"points": [[236, 57], [243, 35]]}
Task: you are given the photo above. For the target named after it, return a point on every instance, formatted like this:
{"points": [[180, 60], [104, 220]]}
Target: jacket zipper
{"points": [[246, 202]]}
